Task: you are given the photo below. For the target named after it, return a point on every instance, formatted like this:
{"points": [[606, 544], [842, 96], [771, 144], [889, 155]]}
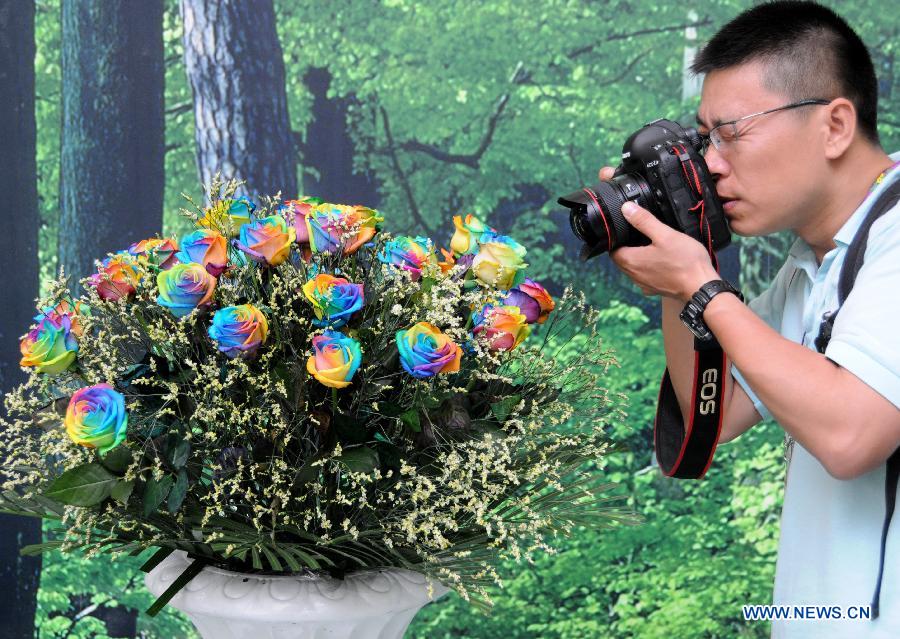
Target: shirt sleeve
{"points": [[864, 339], [769, 307]]}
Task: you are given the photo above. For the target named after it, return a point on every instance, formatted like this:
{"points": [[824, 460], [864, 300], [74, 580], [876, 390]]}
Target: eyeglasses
{"points": [[727, 132]]}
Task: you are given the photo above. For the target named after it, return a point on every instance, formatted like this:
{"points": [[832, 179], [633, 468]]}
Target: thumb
{"points": [[643, 220]]}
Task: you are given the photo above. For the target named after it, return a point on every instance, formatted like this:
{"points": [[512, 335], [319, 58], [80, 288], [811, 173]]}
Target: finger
{"points": [[606, 173], [620, 255], [644, 221]]}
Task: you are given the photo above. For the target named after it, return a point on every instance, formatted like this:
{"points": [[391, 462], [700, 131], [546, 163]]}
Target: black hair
{"points": [[808, 51]]}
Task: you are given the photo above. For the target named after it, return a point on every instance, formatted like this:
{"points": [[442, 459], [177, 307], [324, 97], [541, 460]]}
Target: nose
{"points": [[718, 165]]}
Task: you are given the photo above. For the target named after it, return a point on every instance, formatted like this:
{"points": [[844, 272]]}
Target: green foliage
{"points": [[70, 584], [491, 454], [705, 547], [574, 88], [85, 485]]}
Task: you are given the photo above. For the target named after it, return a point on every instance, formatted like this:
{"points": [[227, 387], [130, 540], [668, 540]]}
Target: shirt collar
{"points": [[802, 253]]}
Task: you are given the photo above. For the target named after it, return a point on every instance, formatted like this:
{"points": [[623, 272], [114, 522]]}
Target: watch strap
{"points": [[692, 314]]}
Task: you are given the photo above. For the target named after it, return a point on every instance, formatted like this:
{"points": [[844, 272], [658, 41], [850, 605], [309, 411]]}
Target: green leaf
{"points": [[411, 419], [388, 455], [272, 558], [306, 473], [390, 409], [155, 494], [122, 491], [133, 372], [37, 549], [426, 284], [35, 506], [488, 428], [192, 571], [179, 490], [503, 408], [282, 372], [349, 431], [117, 460], [180, 453], [291, 561], [156, 559], [86, 485], [360, 460]]}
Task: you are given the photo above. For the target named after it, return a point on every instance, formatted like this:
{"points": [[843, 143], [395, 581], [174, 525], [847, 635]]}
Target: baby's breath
{"points": [[445, 475]]}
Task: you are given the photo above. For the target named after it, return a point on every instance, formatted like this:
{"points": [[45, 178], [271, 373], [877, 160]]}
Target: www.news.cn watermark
{"points": [[791, 613]]}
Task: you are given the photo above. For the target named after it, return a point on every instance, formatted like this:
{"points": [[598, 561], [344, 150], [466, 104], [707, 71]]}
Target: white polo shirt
{"points": [[830, 542]]}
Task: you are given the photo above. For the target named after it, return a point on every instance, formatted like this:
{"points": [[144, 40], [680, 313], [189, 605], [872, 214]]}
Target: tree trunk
{"points": [[236, 71], [329, 149], [113, 132], [691, 85], [119, 620], [19, 576]]}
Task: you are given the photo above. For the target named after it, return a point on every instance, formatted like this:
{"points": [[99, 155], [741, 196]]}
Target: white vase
{"points": [[229, 605]]}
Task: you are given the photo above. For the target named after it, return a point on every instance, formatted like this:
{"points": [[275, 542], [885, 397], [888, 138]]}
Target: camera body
{"points": [[663, 171]]}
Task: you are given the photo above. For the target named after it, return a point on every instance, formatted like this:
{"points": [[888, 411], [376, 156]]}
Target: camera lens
{"points": [[595, 213]]}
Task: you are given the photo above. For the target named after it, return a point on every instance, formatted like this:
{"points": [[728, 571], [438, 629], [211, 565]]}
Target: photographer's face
{"points": [[769, 177]]}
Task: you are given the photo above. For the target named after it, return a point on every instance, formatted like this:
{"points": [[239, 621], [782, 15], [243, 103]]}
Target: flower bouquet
{"points": [[289, 389]]}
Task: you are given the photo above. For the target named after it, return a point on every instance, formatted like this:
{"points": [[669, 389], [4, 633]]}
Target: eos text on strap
{"points": [[686, 450]]}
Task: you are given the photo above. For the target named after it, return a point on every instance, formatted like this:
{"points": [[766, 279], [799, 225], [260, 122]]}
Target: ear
{"points": [[840, 127]]}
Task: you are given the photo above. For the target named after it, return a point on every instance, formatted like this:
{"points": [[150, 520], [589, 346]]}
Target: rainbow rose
{"points": [[159, 252], [51, 346], [449, 261], [228, 216], [362, 223], [296, 212], [533, 299], [206, 247], [326, 228], [75, 311], [334, 299], [267, 240], [116, 277], [425, 351], [335, 359], [468, 231], [96, 417], [185, 287], [503, 327], [314, 227], [239, 331], [409, 254], [499, 262]]}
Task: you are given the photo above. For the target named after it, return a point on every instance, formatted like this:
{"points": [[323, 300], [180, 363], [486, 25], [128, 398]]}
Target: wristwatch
{"points": [[692, 314]]}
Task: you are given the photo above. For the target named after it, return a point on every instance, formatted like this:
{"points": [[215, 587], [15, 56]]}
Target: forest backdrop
{"points": [[111, 109]]}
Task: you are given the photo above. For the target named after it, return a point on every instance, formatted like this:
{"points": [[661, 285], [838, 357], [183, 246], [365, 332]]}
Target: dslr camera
{"points": [[663, 171]]}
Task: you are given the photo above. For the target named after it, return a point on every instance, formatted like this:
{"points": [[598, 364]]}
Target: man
{"points": [[789, 102]]}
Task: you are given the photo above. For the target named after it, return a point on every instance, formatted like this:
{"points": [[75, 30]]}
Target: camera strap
{"points": [[853, 262], [686, 453]]}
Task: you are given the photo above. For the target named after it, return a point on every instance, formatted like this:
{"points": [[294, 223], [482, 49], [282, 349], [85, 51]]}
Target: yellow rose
{"points": [[465, 238], [499, 264]]}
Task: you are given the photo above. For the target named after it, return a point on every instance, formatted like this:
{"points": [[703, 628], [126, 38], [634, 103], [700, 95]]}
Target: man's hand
{"points": [[674, 264]]}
